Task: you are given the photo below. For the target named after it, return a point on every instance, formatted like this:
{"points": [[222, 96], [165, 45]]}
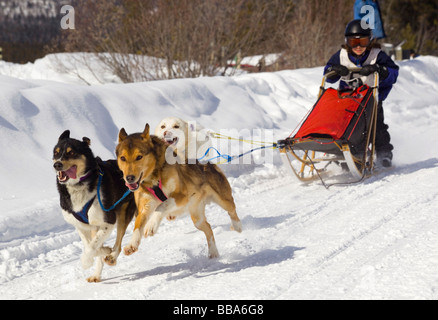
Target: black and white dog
{"points": [[93, 198]]}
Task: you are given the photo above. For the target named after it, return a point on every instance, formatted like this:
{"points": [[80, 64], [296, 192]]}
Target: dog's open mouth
{"points": [[171, 140], [134, 186], [63, 176]]}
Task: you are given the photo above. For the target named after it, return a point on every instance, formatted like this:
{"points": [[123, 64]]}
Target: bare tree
{"points": [[316, 32], [164, 39]]}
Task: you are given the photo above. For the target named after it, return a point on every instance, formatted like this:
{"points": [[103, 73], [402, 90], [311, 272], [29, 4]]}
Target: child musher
{"points": [[361, 50]]}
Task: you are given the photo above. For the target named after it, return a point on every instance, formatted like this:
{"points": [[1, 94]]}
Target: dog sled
{"points": [[339, 130]]}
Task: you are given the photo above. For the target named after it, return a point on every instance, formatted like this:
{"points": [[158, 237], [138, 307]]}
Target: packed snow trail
{"points": [[295, 247], [373, 240]]}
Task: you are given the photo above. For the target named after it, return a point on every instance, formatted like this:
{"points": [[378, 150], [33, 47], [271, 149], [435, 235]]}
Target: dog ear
{"points": [[122, 135], [86, 140], [145, 135], [64, 135]]}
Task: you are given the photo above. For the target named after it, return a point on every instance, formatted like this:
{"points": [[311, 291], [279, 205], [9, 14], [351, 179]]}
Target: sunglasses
{"points": [[361, 42]]}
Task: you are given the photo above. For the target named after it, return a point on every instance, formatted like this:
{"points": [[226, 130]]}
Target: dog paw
{"points": [[152, 225], [213, 253], [236, 226], [93, 279], [110, 260], [128, 250], [150, 230]]}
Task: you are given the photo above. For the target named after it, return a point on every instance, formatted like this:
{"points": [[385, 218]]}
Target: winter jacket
{"points": [[383, 59]]}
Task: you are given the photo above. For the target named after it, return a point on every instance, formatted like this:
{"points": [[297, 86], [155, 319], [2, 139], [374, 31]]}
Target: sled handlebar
{"points": [[355, 69], [352, 70]]}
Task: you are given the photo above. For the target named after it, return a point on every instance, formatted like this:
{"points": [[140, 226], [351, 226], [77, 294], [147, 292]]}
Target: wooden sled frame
{"points": [[310, 165]]}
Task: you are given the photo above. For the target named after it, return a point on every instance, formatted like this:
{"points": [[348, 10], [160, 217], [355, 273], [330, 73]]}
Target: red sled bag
{"points": [[339, 115]]}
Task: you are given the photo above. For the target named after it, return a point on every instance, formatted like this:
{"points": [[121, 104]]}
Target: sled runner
{"points": [[340, 129]]}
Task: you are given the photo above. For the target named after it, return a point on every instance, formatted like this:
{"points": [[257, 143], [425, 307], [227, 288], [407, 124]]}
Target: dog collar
{"points": [[87, 175], [157, 192]]}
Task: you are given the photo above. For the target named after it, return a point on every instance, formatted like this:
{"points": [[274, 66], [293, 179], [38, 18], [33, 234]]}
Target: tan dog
{"points": [[142, 159]]}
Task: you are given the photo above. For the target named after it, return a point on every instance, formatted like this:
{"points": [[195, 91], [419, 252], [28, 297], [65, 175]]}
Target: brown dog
{"points": [[142, 159]]}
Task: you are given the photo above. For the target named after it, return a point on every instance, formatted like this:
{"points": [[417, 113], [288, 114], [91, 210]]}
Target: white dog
{"points": [[190, 140]]}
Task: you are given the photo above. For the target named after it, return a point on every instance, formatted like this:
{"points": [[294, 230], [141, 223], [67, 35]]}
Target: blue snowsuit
{"points": [[383, 145], [385, 85]]}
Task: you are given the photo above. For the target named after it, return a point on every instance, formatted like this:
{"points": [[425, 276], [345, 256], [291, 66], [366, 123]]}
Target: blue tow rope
{"points": [[229, 158], [99, 183], [225, 156]]}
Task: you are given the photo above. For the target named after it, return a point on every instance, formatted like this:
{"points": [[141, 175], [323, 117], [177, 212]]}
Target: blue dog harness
{"points": [[82, 215]]}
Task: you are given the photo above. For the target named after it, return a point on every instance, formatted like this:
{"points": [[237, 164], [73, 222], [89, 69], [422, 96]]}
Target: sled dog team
{"points": [[96, 196]]}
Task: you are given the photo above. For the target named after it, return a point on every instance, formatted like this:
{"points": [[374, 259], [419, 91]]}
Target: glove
{"points": [[369, 69], [339, 69]]}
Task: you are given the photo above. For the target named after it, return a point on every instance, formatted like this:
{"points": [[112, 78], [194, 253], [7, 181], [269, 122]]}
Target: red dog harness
{"points": [[157, 192]]}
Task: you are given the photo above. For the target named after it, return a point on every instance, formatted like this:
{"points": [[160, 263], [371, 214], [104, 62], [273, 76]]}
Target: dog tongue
{"points": [[132, 186], [71, 173]]}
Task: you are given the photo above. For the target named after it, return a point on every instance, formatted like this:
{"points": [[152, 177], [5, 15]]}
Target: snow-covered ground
{"points": [[373, 240]]}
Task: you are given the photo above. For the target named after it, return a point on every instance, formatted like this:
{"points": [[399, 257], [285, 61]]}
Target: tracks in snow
{"points": [[362, 232], [323, 243], [31, 254]]}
